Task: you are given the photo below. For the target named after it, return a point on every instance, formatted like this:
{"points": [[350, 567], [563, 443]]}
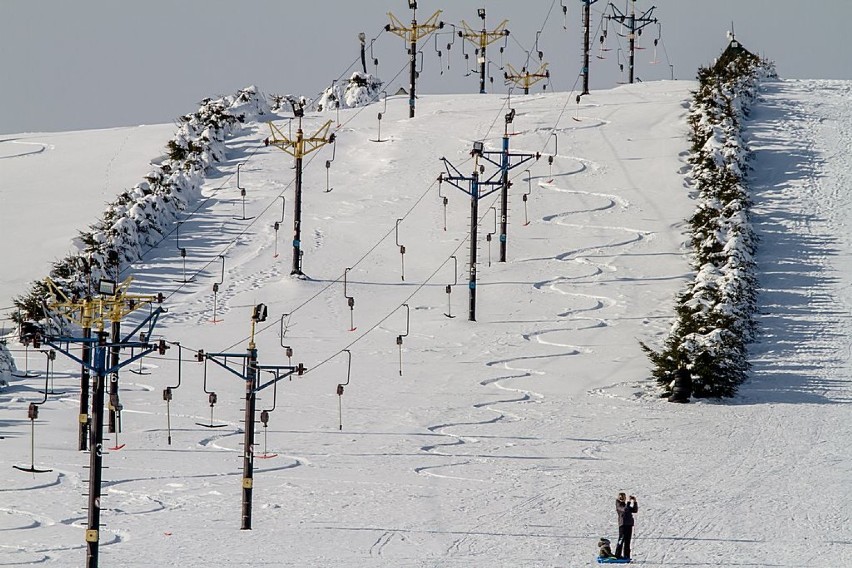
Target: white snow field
{"points": [[499, 442], [52, 184]]}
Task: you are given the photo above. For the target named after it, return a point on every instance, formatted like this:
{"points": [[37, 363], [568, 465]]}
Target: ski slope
{"points": [[63, 180], [499, 442]]}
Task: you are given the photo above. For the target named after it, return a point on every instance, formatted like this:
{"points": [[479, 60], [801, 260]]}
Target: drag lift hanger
{"points": [[340, 388], [216, 290], [277, 225], [242, 196], [182, 251], [526, 195], [282, 332], [380, 115], [401, 251], [602, 41], [212, 398], [49, 371], [489, 235], [30, 333], [350, 301], [551, 156], [400, 337], [141, 370], [449, 288], [328, 187], [32, 414], [449, 47], [444, 199], [167, 393], [264, 416]]}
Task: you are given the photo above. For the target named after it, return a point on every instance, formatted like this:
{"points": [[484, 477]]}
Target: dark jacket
{"points": [[625, 512]]}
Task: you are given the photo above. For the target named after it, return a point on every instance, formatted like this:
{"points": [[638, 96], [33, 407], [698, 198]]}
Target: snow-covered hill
{"points": [[500, 442], [54, 184]]}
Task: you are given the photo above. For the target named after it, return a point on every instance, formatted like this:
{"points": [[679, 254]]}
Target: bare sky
{"points": [[99, 63]]}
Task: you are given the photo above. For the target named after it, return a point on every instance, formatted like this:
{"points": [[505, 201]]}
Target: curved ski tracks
{"points": [[522, 368]]}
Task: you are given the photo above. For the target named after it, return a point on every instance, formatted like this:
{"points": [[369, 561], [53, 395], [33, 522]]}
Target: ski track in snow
{"points": [[574, 320], [41, 148]]}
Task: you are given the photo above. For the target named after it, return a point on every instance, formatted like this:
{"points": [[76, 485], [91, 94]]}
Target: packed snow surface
{"points": [[499, 442]]}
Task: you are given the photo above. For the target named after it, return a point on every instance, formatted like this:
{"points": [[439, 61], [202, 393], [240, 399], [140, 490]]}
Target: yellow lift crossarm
{"points": [[94, 312], [416, 31], [484, 37], [300, 147], [526, 79]]}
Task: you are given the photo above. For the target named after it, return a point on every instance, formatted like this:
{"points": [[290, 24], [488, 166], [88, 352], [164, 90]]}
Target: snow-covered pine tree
{"points": [[360, 90]]}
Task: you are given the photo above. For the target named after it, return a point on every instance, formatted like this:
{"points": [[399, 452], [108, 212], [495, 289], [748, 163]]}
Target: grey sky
{"points": [[99, 63]]}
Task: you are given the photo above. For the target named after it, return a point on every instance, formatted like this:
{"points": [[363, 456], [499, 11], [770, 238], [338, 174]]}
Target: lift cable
{"points": [[391, 231]]}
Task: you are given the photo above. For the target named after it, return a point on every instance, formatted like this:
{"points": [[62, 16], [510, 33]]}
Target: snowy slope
{"points": [[54, 184], [500, 442]]}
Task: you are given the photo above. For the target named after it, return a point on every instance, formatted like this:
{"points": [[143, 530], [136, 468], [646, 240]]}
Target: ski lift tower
{"points": [[481, 40], [474, 189], [102, 356], [245, 366], [299, 148], [505, 164], [412, 35], [586, 17], [634, 25], [83, 312]]}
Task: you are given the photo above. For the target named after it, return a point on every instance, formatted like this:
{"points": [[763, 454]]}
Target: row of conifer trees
{"points": [[714, 319]]}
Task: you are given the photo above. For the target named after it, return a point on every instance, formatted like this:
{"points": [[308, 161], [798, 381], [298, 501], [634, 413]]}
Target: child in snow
{"points": [[605, 549]]}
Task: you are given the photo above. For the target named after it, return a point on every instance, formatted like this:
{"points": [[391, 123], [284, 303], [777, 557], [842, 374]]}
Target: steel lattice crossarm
{"points": [[280, 371], [483, 38], [417, 31], [62, 344], [454, 177], [301, 146], [509, 155], [638, 22], [80, 311], [526, 79], [113, 303]]}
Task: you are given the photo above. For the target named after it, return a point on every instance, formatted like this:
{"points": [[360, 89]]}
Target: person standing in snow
{"points": [[626, 507]]}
